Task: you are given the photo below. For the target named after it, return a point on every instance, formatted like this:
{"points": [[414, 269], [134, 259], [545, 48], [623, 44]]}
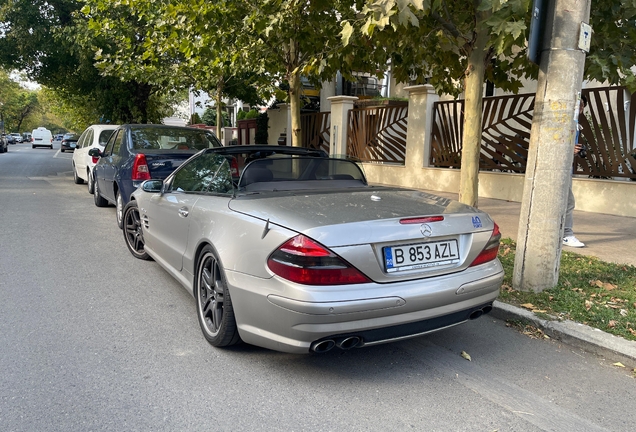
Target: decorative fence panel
{"points": [[316, 130], [607, 128], [378, 134]]}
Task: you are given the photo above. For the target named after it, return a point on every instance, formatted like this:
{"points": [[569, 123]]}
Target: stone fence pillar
{"points": [[340, 107], [420, 125]]}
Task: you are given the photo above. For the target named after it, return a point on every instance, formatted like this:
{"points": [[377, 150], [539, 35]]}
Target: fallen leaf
{"points": [[597, 282], [622, 312], [611, 324], [528, 306], [618, 364], [505, 252], [466, 356], [588, 305], [539, 311], [608, 286]]}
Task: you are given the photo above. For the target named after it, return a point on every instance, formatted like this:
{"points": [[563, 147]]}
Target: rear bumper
{"points": [[276, 314]]}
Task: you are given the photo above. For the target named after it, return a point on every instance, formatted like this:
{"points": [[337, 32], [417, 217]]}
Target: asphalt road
{"points": [[92, 339]]}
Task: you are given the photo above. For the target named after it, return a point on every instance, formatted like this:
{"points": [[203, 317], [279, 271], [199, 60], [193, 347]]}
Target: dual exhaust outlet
{"points": [[328, 344], [346, 343]]}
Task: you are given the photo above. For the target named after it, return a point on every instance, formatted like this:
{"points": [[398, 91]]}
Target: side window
{"points": [[88, 141], [118, 140], [208, 173], [82, 139], [109, 145]]}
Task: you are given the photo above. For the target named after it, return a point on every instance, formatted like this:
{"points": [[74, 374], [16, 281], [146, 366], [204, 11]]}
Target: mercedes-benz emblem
{"points": [[426, 230]]}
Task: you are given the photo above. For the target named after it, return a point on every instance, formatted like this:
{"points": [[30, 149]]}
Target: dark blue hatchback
{"points": [[135, 153]]}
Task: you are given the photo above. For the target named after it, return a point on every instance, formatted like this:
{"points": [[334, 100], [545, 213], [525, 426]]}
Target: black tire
{"points": [[90, 183], [133, 232], [62, 150], [213, 301], [77, 179], [51, 146], [119, 210], [32, 146], [99, 200]]}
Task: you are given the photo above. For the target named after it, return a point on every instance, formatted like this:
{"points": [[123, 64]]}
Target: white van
{"points": [[42, 137]]}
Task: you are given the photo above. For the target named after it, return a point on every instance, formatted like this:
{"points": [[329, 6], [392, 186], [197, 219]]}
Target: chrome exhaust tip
{"points": [[322, 346], [348, 342], [476, 314]]}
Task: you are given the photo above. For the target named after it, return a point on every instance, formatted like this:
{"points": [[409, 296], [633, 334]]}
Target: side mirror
{"points": [[153, 186], [94, 152]]}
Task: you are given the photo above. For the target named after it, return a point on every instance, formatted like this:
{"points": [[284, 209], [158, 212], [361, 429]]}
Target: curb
{"points": [[577, 335]]}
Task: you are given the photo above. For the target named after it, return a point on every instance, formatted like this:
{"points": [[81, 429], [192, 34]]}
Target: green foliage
{"points": [[42, 38], [241, 115], [590, 291], [18, 105], [209, 117], [262, 126], [251, 114]]}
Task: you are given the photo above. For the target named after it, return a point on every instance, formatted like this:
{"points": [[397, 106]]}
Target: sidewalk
{"points": [[609, 238]]}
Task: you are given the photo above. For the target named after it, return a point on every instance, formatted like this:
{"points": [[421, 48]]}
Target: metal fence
{"points": [[607, 129]]}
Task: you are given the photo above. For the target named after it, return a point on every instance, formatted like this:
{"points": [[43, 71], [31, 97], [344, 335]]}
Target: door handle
{"points": [[183, 212]]}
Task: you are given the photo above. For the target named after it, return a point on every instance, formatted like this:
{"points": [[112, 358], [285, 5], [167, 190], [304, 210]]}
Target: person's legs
{"points": [[568, 235], [569, 218]]}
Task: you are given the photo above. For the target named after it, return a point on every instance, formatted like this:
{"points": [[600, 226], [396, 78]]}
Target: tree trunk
{"points": [[549, 170], [473, 99], [294, 94], [219, 108]]}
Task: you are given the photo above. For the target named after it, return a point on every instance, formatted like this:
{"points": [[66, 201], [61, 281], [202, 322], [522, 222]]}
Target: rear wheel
{"points": [[76, 179], [62, 150], [133, 233], [99, 200], [214, 304]]}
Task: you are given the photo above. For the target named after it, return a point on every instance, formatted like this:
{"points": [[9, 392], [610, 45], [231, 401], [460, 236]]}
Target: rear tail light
{"points": [[307, 262], [140, 169], [95, 159], [489, 252], [234, 169]]}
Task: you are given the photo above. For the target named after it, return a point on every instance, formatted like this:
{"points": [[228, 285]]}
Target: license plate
{"points": [[421, 255], [72, 145]]}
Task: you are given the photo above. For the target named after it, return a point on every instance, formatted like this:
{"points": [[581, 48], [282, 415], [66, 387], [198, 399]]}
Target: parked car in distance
{"points": [[17, 137], [299, 254], [135, 153], [26, 137], [69, 142], [4, 144], [42, 137], [9, 138], [95, 136], [58, 137]]}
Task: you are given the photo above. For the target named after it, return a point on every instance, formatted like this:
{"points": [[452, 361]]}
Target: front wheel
{"points": [[214, 304], [133, 232], [119, 210], [89, 183]]}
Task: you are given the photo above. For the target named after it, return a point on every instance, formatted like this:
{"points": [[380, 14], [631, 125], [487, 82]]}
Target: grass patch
{"points": [[589, 291]]}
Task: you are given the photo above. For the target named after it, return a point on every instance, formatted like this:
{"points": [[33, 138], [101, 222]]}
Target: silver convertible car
{"points": [[288, 249]]}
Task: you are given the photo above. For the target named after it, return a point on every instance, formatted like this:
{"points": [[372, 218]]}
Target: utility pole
{"points": [[551, 152]]}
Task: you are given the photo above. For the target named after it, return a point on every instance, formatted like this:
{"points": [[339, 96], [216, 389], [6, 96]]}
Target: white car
{"points": [[94, 136], [17, 136], [42, 137]]}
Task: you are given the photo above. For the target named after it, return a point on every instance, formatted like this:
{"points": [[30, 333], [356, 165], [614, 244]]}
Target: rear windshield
{"points": [[149, 138], [289, 173]]}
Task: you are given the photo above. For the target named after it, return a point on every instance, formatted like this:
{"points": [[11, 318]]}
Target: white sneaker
{"points": [[572, 242]]}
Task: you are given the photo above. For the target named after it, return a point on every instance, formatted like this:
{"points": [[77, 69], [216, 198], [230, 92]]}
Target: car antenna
{"points": [[266, 230]]}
